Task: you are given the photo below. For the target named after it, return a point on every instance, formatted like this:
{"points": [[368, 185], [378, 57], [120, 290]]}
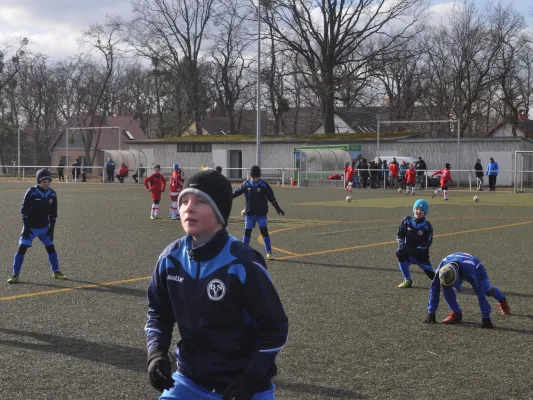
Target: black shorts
{"points": [[445, 187]]}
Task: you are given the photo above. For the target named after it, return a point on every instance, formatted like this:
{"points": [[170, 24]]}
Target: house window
{"points": [[185, 148], [194, 147], [129, 135], [202, 147]]}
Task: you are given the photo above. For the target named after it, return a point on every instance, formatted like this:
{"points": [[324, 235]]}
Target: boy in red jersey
{"points": [[410, 178], [156, 184], [445, 177], [176, 185]]}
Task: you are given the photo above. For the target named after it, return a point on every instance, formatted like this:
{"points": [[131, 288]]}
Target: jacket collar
{"points": [[209, 250]]}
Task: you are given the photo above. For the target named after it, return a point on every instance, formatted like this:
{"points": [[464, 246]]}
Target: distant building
{"points": [[104, 139]]}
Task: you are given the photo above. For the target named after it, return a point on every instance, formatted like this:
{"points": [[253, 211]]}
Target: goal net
{"points": [[523, 179]]}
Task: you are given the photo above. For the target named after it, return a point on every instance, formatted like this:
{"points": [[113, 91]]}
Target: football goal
{"points": [[523, 171]]}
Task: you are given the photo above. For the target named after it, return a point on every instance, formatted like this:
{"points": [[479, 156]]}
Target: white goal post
{"points": [[523, 171]]}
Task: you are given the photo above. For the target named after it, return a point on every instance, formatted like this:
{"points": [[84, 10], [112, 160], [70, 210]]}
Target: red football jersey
{"points": [[176, 182]]}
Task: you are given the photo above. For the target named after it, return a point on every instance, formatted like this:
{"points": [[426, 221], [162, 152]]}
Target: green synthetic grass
{"points": [[353, 333], [400, 200]]}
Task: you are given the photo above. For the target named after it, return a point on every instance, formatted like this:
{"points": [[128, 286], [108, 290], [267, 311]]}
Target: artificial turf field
{"points": [[353, 334]]}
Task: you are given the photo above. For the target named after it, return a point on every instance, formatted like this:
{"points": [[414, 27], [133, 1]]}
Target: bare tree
{"points": [[230, 43], [461, 59], [328, 34], [513, 67], [104, 39], [172, 31]]}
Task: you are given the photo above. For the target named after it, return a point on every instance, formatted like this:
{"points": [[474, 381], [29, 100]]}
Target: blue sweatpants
{"points": [[185, 389], [249, 223], [404, 266], [486, 287]]}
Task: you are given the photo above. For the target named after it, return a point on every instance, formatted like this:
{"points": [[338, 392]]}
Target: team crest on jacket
{"points": [[258, 189], [216, 289], [50, 201], [420, 232]]}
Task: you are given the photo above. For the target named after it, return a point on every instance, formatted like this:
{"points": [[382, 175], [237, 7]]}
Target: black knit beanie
{"points": [[213, 187], [43, 174], [255, 171]]}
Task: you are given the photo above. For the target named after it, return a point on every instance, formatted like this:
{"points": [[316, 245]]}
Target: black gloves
{"points": [[244, 387], [403, 252], [279, 210], [430, 319], [26, 232], [159, 370], [486, 323]]}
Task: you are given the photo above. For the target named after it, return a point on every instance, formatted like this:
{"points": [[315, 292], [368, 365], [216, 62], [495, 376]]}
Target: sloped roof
{"points": [[526, 126], [108, 137]]}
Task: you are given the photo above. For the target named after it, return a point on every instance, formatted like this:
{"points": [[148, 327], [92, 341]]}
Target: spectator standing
{"points": [[110, 170], [76, 170], [61, 171], [84, 170], [492, 173], [479, 175], [362, 170], [421, 168], [394, 170], [403, 169]]}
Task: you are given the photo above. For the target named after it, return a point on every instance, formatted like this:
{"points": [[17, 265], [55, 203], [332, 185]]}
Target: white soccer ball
{"points": [[476, 199], [348, 198], [399, 190], [243, 213]]}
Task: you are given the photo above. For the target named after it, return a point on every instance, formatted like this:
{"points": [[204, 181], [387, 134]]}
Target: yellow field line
{"points": [[292, 255], [364, 246], [71, 289]]}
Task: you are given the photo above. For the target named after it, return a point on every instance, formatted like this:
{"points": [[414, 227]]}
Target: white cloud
{"points": [[54, 26]]}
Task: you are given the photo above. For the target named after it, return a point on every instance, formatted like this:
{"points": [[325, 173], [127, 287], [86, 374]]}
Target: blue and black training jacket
{"points": [[39, 207], [416, 234], [257, 195], [228, 313]]}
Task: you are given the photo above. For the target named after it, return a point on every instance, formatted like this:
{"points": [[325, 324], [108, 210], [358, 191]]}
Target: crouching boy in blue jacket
{"points": [[218, 292], [452, 271]]}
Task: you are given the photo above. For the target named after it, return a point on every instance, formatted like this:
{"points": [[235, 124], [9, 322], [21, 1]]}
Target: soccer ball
{"points": [[243, 213], [348, 198], [399, 190], [476, 199]]}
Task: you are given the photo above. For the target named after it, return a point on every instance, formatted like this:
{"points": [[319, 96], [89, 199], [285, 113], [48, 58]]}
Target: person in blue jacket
{"points": [[257, 194], [39, 214], [452, 271], [492, 173], [219, 294], [415, 236]]}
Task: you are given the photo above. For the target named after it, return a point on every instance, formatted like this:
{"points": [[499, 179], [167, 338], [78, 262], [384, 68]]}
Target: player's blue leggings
{"points": [[185, 389], [404, 267], [485, 290]]}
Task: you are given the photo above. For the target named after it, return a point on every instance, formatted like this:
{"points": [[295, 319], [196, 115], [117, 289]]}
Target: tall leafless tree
{"points": [[328, 34], [173, 32]]}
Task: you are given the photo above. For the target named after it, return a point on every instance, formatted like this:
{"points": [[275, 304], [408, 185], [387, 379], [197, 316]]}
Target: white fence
{"points": [[464, 179]]}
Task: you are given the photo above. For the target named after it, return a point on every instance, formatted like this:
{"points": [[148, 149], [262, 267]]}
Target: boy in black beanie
{"points": [[218, 292], [39, 213], [257, 194]]}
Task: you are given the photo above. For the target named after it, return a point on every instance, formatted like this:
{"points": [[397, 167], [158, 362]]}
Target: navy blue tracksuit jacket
{"points": [[228, 313], [257, 195], [39, 207], [417, 234]]}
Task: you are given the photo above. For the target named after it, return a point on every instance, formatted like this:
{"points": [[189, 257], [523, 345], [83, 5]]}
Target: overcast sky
{"points": [[53, 26]]}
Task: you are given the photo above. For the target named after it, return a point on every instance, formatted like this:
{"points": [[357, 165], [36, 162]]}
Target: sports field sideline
{"points": [[353, 333]]}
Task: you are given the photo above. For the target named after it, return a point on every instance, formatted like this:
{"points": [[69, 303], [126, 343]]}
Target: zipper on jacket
{"points": [[195, 299], [195, 311]]}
